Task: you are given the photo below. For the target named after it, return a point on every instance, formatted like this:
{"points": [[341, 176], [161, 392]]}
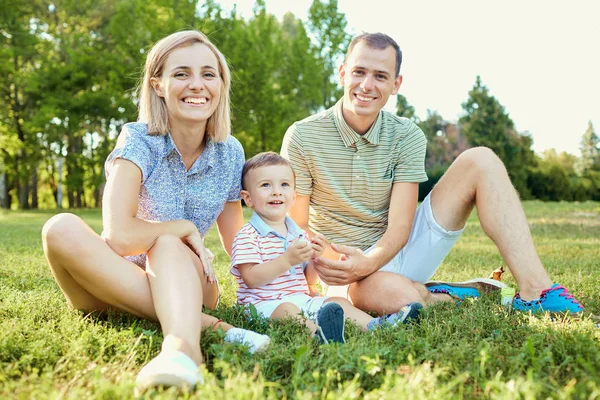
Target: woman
{"points": [[169, 178]]}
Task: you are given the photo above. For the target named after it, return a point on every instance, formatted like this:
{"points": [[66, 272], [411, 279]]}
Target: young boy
{"points": [[272, 258]]}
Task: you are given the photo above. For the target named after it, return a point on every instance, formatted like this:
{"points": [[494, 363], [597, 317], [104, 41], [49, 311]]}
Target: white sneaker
{"points": [[169, 368], [254, 341]]}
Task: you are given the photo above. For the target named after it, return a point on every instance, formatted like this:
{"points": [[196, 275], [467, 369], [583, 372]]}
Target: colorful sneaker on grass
{"points": [[555, 299], [462, 290]]}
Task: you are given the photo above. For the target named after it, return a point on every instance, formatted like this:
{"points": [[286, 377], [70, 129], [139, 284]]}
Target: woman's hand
{"points": [[196, 243]]}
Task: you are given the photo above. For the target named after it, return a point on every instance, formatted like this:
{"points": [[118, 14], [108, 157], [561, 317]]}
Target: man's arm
{"points": [[299, 213], [353, 265]]}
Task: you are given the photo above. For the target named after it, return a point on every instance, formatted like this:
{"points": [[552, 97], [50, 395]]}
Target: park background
{"points": [[68, 71]]}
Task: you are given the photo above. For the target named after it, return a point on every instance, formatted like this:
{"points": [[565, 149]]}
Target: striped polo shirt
{"points": [[257, 243], [349, 176]]}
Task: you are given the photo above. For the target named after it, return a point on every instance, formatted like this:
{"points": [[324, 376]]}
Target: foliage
{"points": [[69, 71], [473, 350], [590, 152], [405, 109], [555, 179], [328, 27], [486, 123]]}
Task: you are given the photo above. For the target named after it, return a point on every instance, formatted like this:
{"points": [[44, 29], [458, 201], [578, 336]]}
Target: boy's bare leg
{"points": [[290, 310]]}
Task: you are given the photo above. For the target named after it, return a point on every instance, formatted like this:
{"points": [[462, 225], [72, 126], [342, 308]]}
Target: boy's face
{"points": [[270, 191]]}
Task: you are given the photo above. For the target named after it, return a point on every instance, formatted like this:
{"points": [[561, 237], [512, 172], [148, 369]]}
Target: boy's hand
{"points": [[318, 245], [298, 252]]}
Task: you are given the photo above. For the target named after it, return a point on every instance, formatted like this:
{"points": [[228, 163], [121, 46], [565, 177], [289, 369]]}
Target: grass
{"points": [[475, 350]]}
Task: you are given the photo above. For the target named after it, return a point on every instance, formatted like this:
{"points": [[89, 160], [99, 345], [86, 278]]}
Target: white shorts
{"points": [[308, 305], [428, 245]]}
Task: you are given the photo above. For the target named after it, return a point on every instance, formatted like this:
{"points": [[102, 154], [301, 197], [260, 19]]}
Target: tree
{"points": [[485, 123], [19, 46], [404, 109], [328, 27], [590, 152], [276, 74]]}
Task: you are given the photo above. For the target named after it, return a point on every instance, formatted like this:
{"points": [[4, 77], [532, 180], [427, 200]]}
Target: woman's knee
{"points": [[62, 231], [169, 245]]}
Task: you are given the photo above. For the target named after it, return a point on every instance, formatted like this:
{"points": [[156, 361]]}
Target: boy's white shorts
{"points": [[308, 305]]}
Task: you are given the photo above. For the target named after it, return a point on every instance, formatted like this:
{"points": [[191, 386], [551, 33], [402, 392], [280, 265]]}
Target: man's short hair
{"points": [[265, 159], [379, 41]]}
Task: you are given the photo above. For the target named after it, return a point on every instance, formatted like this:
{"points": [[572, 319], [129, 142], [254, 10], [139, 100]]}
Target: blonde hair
{"points": [[152, 108]]}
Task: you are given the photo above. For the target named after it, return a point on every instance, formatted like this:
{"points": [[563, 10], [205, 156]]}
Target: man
{"points": [[358, 170]]}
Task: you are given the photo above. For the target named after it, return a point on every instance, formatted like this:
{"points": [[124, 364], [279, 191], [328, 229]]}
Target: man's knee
{"points": [[383, 293], [480, 160]]}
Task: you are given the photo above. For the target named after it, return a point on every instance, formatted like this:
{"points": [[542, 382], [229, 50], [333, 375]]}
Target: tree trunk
{"points": [[71, 198], [23, 194], [3, 191], [59, 187], [34, 188]]}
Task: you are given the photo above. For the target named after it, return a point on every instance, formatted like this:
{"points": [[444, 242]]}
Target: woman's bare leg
{"points": [[92, 277], [177, 294], [90, 274]]}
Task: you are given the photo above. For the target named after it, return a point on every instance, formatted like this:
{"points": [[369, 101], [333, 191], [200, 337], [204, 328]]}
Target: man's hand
{"points": [[298, 252], [352, 266]]}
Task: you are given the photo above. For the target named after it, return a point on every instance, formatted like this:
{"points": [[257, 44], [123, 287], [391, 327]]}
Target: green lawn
{"points": [[477, 349]]}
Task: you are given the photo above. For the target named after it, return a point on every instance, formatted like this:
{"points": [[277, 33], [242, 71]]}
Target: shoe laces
{"points": [[439, 290], [564, 293]]}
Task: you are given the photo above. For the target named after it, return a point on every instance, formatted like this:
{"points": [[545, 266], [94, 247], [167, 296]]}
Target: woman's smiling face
{"points": [[190, 84]]}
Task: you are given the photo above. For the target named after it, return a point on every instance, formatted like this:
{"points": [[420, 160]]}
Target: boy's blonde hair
{"points": [[152, 108], [265, 159]]}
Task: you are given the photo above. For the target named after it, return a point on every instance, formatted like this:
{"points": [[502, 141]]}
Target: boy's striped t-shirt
{"points": [[257, 243]]}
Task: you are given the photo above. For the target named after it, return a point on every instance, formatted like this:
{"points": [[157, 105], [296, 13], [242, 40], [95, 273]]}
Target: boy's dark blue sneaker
{"points": [[555, 299], [330, 324]]}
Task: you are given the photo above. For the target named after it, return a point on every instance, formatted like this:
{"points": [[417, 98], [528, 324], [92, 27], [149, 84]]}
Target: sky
{"points": [[540, 59]]}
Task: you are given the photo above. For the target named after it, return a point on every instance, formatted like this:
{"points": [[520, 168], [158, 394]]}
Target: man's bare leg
{"points": [[478, 178], [387, 292]]}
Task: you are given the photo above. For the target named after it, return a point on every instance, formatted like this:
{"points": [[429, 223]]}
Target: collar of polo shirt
{"points": [[349, 135]]}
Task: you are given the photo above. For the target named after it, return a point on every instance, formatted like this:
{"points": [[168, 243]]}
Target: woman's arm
{"points": [[124, 233], [229, 222]]}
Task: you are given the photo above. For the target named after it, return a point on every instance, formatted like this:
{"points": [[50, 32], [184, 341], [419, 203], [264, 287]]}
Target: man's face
{"points": [[368, 79]]}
